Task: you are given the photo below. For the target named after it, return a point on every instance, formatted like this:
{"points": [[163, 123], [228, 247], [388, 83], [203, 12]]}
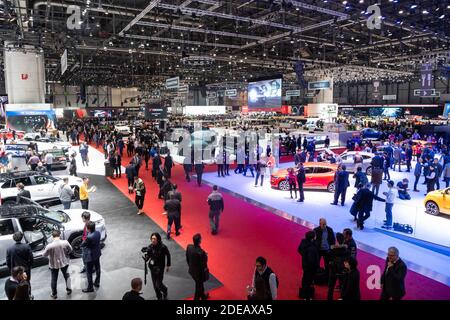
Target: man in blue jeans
{"points": [[389, 204], [66, 194]]}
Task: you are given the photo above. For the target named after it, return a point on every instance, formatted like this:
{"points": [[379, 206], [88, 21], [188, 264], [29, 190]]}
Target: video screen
{"points": [[446, 110], [386, 112], [264, 94], [30, 120], [102, 113]]}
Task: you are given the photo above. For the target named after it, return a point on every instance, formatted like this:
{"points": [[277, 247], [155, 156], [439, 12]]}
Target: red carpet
{"points": [[247, 232]]}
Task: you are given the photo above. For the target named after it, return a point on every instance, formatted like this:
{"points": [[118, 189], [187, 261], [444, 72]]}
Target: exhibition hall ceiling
{"points": [[135, 42]]}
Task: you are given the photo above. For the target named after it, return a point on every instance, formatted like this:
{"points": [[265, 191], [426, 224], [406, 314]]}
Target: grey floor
{"points": [[121, 257]]}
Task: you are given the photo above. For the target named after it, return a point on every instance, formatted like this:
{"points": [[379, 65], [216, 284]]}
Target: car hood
{"points": [[436, 193], [75, 215], [73, 181]]}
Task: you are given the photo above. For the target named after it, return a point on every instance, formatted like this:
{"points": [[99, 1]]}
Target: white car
{"points": [[44, 189], [124, 130], [37, 224], [348, 158], [48, 143]]}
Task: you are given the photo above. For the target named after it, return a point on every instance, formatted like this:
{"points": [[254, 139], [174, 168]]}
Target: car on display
{"points": [[438, 201], [312, 124], [348, 158], [60, 159], [48, 143], [37, 223], [319, 175], [44, 189], [124, 130], [19, 134], [371, 134]]}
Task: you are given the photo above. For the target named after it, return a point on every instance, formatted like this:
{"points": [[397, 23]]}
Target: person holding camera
{"points": [[158, 257]]}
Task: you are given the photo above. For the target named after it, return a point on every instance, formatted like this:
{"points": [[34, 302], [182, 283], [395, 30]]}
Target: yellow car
{"points": [[438, 202]]}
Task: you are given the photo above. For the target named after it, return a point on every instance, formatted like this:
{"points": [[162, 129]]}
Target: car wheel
{"points": [[75, 242], [432, 208], [331, 187], [369, 171], [283, 185]]}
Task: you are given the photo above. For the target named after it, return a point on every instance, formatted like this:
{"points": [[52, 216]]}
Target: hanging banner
{"points": [[376, 90], [426, 72], [64, 62]]}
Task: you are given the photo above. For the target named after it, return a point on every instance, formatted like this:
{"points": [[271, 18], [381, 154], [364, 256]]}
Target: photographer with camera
{"points": [[156, 254]]}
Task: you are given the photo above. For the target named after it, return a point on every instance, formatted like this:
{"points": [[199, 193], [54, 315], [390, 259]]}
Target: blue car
{"points": [[369, 133]]}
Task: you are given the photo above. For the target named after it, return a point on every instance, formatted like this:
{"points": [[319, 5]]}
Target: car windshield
{"points": [[59, 216]]}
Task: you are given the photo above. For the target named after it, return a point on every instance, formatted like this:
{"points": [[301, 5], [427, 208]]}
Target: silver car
{"points": [[348, 158], [37, 224]]}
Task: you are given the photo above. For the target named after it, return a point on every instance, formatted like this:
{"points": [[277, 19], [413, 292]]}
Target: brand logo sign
{"points": [[74, 20], [319, 85], [24, 76], [231, 93], [292, 93], [173, 83], [374, 21]]}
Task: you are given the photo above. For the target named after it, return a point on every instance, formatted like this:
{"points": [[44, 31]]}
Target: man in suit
{"points": [[364, 203], [168, 164], [91, 256], [324, 240], [20, 254], [197, 260], [301, 179], [341, 186], [172, 208], [22, 194], [393, 278], [199, 167]]}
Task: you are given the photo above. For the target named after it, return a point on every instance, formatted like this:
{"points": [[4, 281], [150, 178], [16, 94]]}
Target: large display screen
{"points": [[446, 110], [29, 120], [386, 112], [264, 94]]}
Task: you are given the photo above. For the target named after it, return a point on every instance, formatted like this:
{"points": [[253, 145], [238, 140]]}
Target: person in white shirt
{"points": [[58, 252], [390, 196], [48, 159]]}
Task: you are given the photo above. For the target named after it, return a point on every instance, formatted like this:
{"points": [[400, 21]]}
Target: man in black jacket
{"points": [[18, 275], [20, 254], [197, 260], [310, 264], [135, 293], [168, 164], [91, 256], [341, 186], [22, 194], [364, 203], [156, 254], [301, 179], [172, 208], [130, 171], [350, 242], [216, 207], [393, 278], [324, 240]]}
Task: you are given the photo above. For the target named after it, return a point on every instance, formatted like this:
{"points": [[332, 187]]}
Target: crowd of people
{"points": [[144, 146]]}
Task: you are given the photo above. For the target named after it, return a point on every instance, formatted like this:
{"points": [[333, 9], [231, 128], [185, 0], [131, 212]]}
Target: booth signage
{"points": [[292, 93], [390, 97], [204, 110], [155, 112], [310, 94], [183, 89], [173, 83], [319, 85], [231, 93]]}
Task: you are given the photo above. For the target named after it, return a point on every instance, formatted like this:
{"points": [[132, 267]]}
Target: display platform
{"points": [[429, 260]]}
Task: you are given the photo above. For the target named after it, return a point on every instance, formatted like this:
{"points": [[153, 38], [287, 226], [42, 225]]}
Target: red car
{"points": [[319, 175], [19, 134]]}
